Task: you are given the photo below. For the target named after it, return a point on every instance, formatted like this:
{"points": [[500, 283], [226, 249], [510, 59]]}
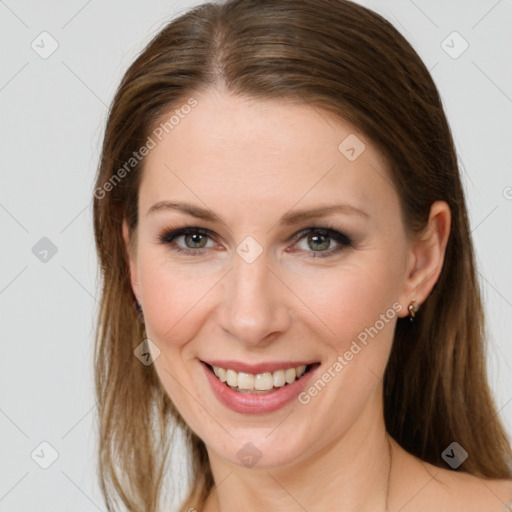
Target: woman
{"points": [[288, 275]]}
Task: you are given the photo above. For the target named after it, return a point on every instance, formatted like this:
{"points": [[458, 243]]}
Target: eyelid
{"points": [[334, 233], [173, 233], [343, 241]]}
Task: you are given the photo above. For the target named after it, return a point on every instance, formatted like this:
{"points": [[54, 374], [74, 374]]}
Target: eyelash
{"points": [[341, 239]]}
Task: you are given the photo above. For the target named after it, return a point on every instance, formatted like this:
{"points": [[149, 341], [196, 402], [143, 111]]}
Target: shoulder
{"points": [[443, 489], [469, 492]]}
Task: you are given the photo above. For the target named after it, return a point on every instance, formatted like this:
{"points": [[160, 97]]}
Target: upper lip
{"points": [[258, 368]]}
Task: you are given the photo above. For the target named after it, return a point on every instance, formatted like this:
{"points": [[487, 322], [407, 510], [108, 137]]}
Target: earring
{"points": [[138, 308], [413, 309]]}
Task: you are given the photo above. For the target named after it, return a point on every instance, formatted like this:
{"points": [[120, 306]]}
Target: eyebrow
{"points": [[288, 219]]}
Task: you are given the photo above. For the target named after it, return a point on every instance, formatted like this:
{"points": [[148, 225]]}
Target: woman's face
{"points": [[259, 288]]}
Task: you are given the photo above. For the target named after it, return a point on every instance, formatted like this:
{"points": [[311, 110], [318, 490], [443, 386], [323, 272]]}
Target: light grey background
{"points": [[52, 116]]}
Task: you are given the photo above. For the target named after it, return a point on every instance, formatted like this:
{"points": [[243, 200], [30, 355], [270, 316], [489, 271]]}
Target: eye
{"points": [[192, 240], [317, 242], [321, 242]]}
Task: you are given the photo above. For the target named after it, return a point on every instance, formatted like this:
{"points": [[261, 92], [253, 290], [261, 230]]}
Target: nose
{"points": [[253, 307]]}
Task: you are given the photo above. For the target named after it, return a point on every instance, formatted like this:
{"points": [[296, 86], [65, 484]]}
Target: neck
{"points": [[353, 471]]}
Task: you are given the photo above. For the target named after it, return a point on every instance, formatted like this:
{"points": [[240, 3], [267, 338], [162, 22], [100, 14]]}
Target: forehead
{"points": [[237, 153]]}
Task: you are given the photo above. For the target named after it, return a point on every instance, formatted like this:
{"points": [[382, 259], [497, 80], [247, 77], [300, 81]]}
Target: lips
{"points": [[256, 403]]}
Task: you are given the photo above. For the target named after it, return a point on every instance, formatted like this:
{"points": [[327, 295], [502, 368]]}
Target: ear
{"points": [[130, 250], [426, 257]]}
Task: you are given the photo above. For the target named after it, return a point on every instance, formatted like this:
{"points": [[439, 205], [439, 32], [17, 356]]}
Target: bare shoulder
{"points": [[427, 487], [470, 492]]}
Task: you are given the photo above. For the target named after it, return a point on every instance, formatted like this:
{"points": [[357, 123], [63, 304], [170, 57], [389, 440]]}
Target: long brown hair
{"points": [[346, 59]]}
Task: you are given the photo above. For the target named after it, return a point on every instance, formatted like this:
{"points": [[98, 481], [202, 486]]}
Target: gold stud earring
{"points": [[413, 309]]}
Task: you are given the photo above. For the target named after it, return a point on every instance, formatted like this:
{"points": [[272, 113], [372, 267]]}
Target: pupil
{"points": [[196, 240], [317, 244]]}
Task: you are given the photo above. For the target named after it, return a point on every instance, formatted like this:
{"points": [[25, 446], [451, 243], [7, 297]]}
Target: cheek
{"points": [[349, 298], [342, 300], [355, 309], [358, 308], [174, 297]]}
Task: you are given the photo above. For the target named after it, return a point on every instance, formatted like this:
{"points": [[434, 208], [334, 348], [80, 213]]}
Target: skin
{"points": [[251, 161]]}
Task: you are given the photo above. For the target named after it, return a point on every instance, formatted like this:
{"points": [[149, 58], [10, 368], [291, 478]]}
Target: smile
{"points": [[261, 382], [238, 390]]}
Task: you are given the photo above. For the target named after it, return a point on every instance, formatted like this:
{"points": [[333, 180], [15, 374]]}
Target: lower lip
{"points": [[256, 404]]}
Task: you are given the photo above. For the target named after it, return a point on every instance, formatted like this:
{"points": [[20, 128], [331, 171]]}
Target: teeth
{"points": [[223, 375], [245, 381], [261, 381], [232, 378], [279, 378], [290, 375]]}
